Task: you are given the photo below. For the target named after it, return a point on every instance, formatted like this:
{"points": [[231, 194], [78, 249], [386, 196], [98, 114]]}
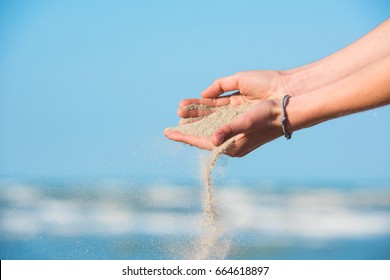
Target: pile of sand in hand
{"points": [[211, 244]]}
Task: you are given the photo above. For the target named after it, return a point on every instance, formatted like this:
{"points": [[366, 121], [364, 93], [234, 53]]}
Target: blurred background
{"points": [[87, 88]]}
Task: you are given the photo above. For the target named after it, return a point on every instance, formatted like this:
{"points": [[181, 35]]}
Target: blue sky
{"points": [[87, 87]]}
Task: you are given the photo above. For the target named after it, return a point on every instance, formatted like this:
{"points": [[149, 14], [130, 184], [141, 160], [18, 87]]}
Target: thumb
{"points": [[240, 125]]}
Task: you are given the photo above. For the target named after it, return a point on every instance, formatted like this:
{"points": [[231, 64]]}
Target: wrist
{"points": [[290, 114], [299, 80], [280, 118], [294, 81], [306, 110], [284, 119]]}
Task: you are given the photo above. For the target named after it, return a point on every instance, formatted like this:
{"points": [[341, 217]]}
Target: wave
{"points": [[115, 209]]}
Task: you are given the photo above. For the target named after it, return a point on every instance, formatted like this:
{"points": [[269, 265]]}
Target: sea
{"points": [[125, 219]]}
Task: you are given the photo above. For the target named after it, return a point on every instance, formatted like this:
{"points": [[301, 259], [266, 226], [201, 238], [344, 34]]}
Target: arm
{"points": [[354, 79], [274, 84], [365, 89], [368, 49]]}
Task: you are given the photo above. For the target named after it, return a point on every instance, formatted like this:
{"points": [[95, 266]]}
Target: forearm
{"points": [[366, 89], [368, 49]]}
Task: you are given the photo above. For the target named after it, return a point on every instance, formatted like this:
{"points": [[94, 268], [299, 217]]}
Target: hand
{"points": [[352, 80], [259, 125], [253, 87], [254, 128]]}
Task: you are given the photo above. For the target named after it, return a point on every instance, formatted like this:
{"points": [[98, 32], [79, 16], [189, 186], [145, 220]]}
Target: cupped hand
{"points": [[250, 86], [257, 126]]}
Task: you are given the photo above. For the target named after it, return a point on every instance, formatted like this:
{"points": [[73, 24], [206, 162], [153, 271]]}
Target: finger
{"points": [[240, 125], [221, 86], [189, 120], [200, 107], [189, 101], [242, 147], [245, 143], [200, 142], [211, 102], [194, 111]]}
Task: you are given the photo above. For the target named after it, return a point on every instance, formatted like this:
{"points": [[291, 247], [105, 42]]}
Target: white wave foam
{"points": [[318, 214]]}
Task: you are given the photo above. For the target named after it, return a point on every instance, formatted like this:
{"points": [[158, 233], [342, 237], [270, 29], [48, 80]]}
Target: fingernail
{"points": [[220, 138]]}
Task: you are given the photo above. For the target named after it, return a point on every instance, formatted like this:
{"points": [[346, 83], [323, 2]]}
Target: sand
{"points": [[212, 244]]}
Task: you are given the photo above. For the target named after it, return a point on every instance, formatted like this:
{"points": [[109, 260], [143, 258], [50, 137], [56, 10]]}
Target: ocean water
{"points": [[113, 219]]}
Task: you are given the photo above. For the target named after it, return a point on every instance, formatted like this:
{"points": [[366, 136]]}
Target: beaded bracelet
{"points": [[284, 117]]}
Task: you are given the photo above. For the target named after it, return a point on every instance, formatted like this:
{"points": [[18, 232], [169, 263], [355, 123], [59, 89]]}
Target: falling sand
{"points": [[212, 244]]}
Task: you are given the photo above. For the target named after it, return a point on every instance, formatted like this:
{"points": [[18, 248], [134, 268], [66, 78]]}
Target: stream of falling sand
{"points": [[213, 242]]}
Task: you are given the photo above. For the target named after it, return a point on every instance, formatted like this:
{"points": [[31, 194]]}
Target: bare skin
{"points": [[354, 79]]}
